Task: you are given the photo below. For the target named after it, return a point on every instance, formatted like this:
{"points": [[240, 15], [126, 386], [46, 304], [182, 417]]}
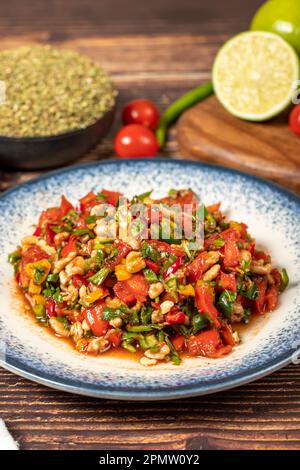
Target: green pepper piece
{"points": [[100, 276], [226, 302], [179, 106], [284, 280]]}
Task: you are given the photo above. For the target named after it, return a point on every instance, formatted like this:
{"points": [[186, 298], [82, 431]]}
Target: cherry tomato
{"points": [[294, 120], [142, 112], [135, 140]]}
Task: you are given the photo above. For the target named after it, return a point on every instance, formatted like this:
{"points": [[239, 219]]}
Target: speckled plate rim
{"points": [[189, 390]]}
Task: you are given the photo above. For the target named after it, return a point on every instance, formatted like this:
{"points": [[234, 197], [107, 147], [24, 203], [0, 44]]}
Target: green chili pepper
{"points": [[52, 277], [284, 280], [246, 315], [175, 358], [199, 322], [128, 346], [251, 293], [226, 302], [149, 251], [100, 276], [146, 313], [141, 197], [150, 276], [91, 219], [40, 313], [140, 328], [179, 106], [14, 257], [171, 286], [84, 231]]}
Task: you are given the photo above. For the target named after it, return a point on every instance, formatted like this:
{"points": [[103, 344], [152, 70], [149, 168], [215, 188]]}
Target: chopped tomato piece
{"points": [[214, 207], [206, 343], [49, 235], [123, 250], [50, 216], [138, 286], [51, 308], [93, 316], [70, 247], [260, 302], [34, 253], [124, 293], [115, 338], [209, 242], [227, 335], [277, 277], [79, 281], [87, 202], [65, 206], [205, 303], [80, 223], [176, 318], [166, 247], [183, 197], [272, 298], [228, 281], [150, 264], [261, 255], [37, 232], [196, 268], [134, 288], [231, 251], [178, 343], [112, 197]]}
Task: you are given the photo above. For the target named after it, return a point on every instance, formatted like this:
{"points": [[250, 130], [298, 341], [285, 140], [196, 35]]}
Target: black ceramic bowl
{"points": [[38, 153]]}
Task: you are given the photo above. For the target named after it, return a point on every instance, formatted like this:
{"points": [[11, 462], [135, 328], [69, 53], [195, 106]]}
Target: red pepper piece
{"points": [[65, 206], [228, 281], [71, 247], [175, 318], [151, 265], [173, 268], [205, 303], [51, 308]]}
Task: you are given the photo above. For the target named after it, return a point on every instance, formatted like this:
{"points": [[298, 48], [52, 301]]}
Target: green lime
{"points": [[255, 75], [281, 17]]}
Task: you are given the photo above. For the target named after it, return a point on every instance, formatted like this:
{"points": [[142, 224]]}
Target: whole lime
{"points": [[281, 17]]}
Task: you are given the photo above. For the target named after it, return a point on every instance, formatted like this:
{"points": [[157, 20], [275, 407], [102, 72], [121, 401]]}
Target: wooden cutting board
{"points": [[207, 132]]}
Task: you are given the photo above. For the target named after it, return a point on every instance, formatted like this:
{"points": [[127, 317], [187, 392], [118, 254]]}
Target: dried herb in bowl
{"points": [[51, 91]]}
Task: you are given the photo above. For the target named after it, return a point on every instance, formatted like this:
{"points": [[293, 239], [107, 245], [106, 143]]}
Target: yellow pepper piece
{"points": [[235, 225], [121, 273], [187, 290], [39, 299], [93, 296], [38, 271], [34, 288]]}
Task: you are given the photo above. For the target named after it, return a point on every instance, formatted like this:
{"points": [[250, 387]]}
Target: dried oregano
{"points": [[51, 91]]}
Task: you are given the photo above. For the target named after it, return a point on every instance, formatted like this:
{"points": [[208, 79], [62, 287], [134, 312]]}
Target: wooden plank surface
{"points": [[158, 50], [207, 132]]}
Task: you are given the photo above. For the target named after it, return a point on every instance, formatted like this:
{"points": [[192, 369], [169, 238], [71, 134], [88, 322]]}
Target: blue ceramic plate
{"points": [[273, 217]]}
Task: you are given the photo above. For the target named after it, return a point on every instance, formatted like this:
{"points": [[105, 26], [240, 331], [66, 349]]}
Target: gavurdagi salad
{"points": [[161, 296]]}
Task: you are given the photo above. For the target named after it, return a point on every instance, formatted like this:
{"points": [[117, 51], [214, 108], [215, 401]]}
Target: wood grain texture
{"points": [[156, 50], [262, 415], [207, 132]]}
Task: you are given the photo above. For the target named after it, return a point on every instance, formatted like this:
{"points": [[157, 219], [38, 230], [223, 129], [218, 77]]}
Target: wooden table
{"points": [[158, 50]]}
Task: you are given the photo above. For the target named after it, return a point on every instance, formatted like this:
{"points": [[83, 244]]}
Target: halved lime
{"points": [[255, 75]]}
